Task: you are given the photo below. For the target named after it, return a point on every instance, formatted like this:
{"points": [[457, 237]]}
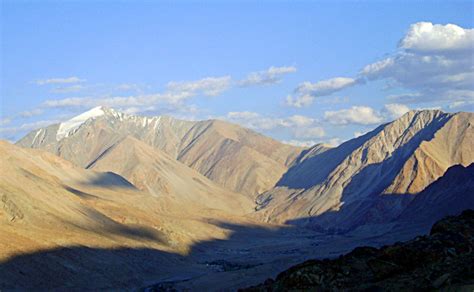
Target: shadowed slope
{"points": [[234, 157], [402, 157], [154, 171], [447, 196], [46, 201]]}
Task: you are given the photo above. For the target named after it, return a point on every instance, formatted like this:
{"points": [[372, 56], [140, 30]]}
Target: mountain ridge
{"points": [[357, 182], [202, 145]]}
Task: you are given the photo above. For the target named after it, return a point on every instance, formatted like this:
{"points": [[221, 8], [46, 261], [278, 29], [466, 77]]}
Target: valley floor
{"points": [[248, 255]]}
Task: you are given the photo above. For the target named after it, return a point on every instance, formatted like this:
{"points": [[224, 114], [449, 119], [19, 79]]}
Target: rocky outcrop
{"points": [[441, 260], [12, 211]]}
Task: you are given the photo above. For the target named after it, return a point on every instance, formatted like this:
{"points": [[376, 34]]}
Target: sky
{"points": [[302, 72]]}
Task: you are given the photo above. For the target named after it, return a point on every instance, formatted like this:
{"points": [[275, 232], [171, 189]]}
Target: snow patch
{"points": [[36, 136], [69, 126]]}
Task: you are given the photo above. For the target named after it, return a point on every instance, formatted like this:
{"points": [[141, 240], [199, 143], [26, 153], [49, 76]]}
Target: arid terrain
{"points": [[115, 201], [236, 145]]}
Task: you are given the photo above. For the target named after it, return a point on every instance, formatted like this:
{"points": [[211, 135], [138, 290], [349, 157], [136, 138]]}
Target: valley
{"points": [[111, 193]]}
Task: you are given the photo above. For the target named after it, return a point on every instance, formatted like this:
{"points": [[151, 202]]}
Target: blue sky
{"points": [[302, 72]]}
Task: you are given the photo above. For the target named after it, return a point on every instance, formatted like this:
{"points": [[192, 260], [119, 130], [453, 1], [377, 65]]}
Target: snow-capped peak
{"points": [[74, 123]]}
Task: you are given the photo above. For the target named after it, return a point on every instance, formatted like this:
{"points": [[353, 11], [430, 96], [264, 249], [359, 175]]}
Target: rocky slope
{"points": [[236, 158], [46, 200], [63, 227], [441, 260], [371, 179], [449, 195], [153, 171]]}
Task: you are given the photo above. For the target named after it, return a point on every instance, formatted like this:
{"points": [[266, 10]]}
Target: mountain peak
{"points": [[70, 125]]}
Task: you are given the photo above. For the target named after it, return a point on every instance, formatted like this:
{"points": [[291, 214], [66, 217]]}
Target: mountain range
{"points": [[371, 179], [209, 194], [368, 180], [234, 157]]}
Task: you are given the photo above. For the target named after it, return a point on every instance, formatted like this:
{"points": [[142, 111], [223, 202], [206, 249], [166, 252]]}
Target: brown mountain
{"points": [[234, 157], [448, 195], [152, 170], [47, 201], [371, 179]]}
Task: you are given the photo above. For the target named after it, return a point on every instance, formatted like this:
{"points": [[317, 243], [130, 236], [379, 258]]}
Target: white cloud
{"points": [[428, 37], [59, 80], [300, 127], [300, 143], [308, 133], [432, 75], [171, 98], [334, 142], [373, 70], [435, 61], [255, 120], [359, 133], [27, 127], [5, 121], [326, 87], [32, 113], [299, 121], [171, 101], [67, 89], [306, 92], [462, 104], [129, 87], [362, 115], [395, 110], [299, 101], [210, 86], [270, 76]]}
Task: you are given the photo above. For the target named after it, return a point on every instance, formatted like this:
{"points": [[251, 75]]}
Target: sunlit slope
{"points": [[47, 202], [152, 170], [234, 157], [372, 178]]}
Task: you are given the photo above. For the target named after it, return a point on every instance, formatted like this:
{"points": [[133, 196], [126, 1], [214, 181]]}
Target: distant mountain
{"points": [[152, 170], [234, 157], [371, 179]]}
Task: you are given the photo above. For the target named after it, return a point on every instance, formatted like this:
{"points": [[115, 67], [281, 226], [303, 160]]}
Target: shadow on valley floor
{"points": [[80, 267], [80, 194], [109, 180], [248, 256]]}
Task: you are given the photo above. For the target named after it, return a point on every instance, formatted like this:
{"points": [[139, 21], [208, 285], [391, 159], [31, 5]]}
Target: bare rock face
{"points": [[236, 158], [371, 179], [441, 260], [449, 195]]}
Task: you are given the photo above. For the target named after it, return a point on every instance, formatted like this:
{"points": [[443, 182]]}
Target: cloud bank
{"points": [[434, 62]]}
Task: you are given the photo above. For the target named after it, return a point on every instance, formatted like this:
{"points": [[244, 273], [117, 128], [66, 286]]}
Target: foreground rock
{"points": [[442, 259]]}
